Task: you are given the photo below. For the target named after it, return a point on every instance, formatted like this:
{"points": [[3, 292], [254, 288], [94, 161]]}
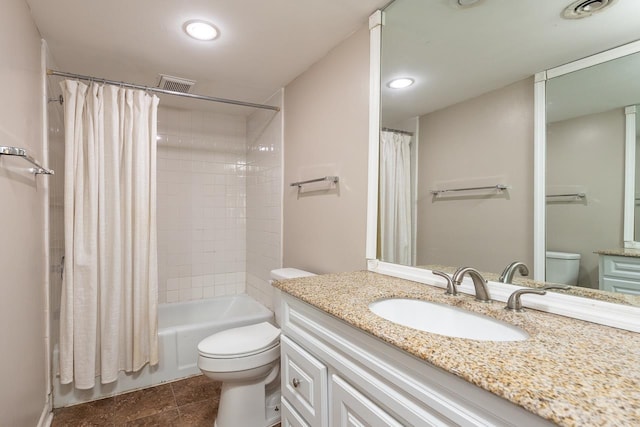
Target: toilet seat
{"points": [[240, 349], [240, 342]]}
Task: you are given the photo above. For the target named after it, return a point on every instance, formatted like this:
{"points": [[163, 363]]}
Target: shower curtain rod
{"points": [[163, 91], [404, 132]]}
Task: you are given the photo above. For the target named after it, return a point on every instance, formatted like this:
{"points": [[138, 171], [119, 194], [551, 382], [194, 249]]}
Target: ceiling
{"points": [[458, 53], [263, 45]]}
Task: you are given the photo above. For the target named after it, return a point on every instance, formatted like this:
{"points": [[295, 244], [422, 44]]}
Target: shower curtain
{"points": [[395, 197], [108, 314]]}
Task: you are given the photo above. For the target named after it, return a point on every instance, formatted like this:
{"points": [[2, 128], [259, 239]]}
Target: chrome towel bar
{"points": [[577, 195], [498, 187], [333, 179], [21, 152]]}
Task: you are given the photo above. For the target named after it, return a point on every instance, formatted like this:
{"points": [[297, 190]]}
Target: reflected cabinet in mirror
{"points": [[459, 105]]}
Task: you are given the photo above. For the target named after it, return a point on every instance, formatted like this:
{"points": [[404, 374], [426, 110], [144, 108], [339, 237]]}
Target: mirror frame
{"points": [[596, 311]]}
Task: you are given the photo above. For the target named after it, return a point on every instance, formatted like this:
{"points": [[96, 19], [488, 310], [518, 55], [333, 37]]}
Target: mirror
{"points": [[469, 121], [586, 129]]}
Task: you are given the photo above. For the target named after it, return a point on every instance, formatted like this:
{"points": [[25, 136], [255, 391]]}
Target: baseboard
{"points": [[47, 414]]}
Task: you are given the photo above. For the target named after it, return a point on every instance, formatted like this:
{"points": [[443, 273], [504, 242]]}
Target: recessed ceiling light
{"points": [[200, 30], [400, 83]]}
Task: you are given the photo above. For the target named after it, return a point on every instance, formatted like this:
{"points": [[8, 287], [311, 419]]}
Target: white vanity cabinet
{"points": [[334, 374], [620, 274]]}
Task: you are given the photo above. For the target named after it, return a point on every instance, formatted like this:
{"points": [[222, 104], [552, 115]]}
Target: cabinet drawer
{"points": [[625, 267], [304, 382], [290, 418], [621, 286], [351, 408]]}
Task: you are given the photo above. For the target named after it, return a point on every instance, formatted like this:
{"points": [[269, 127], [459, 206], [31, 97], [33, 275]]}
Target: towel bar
{"points": [[21, 152]]}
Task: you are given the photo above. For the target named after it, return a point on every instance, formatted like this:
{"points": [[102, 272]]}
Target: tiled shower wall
{"points": [[55, 161], [201, 204], [264, 199]]}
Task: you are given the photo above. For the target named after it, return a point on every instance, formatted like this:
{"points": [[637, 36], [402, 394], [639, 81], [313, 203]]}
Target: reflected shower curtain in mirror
{"points": [[395, 197], [108, 314]]}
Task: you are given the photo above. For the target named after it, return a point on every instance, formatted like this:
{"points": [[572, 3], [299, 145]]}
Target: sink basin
{"points": [[446, 320]]}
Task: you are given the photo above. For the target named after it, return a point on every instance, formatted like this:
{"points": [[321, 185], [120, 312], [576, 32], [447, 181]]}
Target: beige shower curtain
{"points": [[108, 315]]}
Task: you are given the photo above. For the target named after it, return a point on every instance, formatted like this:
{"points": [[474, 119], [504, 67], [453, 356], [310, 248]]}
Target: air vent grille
{"points": [[175, 84]]}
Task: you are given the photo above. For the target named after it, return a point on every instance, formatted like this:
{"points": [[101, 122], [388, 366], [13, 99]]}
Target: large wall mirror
{"points": [[457, 145]]}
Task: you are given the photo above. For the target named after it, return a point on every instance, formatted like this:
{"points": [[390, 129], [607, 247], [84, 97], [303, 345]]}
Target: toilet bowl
{"points": [[247, 362], [562, 267]]}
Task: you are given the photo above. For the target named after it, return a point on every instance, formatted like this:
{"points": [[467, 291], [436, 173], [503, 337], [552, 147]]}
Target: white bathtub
{"points": [[181, 326]]}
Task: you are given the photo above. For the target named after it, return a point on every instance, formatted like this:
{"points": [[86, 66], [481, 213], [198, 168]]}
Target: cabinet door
{"points": [[290, 418], [350, 408], [304, 383]]}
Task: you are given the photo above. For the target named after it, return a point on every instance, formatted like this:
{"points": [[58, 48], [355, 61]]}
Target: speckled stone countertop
{"points": [[633, 253], [571, 372]]}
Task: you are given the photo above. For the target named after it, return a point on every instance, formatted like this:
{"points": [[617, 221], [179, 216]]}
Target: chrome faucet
{"points": [[510, 271], [479, 282]]}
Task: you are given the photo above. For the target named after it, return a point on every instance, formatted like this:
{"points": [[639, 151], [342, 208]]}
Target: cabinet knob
{"points": [[295, 382]]}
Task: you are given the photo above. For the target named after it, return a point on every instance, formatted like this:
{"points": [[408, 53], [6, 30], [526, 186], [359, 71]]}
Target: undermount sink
{"points": [[446, 320]]}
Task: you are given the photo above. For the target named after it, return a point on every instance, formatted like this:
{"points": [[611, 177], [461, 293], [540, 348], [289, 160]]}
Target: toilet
{"points": [[562, 267], [247, 362]]}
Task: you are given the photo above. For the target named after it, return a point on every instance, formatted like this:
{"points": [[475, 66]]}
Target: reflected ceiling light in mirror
{"points": [[200, 30], [585, 8], [400, 83]]}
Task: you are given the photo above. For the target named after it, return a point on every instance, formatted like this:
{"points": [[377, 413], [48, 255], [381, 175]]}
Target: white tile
{"points": [[173, 296]]}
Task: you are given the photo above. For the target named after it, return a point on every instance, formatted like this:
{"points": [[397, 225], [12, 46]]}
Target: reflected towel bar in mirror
{"points": [[21, 152], [333, 179], [499, 187], [576, 195]]}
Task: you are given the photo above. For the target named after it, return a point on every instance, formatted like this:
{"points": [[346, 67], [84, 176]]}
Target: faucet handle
{"points": [[451, 287], [514, 302]]}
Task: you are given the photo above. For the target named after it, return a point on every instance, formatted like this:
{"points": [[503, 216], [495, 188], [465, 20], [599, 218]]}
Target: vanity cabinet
{"points": [[620, 274], [334, 374]]}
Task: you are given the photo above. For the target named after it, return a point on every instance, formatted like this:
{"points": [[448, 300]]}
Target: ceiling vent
{"points": [[584, 8], [175, 84]]}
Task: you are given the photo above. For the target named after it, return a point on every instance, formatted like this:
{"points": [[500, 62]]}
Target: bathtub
{"points": [[181, 326]]}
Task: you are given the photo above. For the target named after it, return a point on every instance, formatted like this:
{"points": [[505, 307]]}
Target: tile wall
{"points": [[201, 204], [264, 199]]}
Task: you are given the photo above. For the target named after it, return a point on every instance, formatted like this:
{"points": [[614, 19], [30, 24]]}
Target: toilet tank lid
{"points": [[562, 255], [289, 273]]}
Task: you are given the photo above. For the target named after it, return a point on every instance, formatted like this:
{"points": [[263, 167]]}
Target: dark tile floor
{"points": [[186, 403]]}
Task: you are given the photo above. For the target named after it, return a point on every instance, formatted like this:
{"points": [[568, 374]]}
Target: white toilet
{"points": [[247, 362], [562, 267]]}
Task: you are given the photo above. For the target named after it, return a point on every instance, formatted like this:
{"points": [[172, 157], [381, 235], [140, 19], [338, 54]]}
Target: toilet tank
{"points": [[282, 274], [562, 267]]}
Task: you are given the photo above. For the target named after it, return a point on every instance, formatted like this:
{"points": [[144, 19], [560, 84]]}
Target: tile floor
{"points": [[186, 403]]}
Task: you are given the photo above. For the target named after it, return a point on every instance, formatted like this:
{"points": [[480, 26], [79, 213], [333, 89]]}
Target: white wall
{"points": [[22, 307], [326, 133], [201, 204]]}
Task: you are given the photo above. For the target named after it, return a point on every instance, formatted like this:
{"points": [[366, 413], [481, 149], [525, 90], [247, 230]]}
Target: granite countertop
{"points": [[569, 371], [628, 252]]}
